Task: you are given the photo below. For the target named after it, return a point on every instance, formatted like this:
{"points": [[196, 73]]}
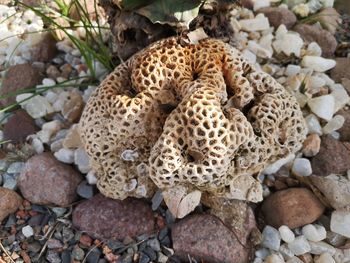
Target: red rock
{"points": [[23, 120], [17, 78], [44, 180], [207, 239], [311, 145], [104, 218], [333, 157], [341, 69], [279, 16], [9, 202], [85, 240], [293, 207], [46, 49], [324, 39]]}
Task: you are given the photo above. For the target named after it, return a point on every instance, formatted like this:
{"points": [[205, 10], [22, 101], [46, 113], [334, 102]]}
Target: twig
{"points": [[6, 252], [48, 237], [90, 250]]}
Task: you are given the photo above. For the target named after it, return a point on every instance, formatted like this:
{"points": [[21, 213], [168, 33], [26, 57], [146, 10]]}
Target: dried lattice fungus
{"points": [[188, 117]]}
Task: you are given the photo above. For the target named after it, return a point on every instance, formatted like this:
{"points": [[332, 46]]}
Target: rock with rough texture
{"points": [[9, 202], [207, 239], [45, 50], [312, 33], [278, 16], [293, 207], [341, 69], [44, 180], [334, 157], [19, 126], [335, 188], [311, 145], [105, 218], [17, 78]]}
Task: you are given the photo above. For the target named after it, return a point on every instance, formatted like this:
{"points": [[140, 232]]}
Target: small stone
{"points": [[313, 124], [15, 167], [9, 202], [294, 260], [292, 70], [314, 233], [274, 258], [285, 251], [287, 235], [91, 178], [10, 181], [27, 231], [53, 72], [105, 218], [46, 49], [53, 257], [325, 258], [271, 238], [59, 211], [323, 106], [19, 119], [311, 145], [54, 243], [333, 157], [36, 106], [313, 33], [85, 190], [73, 107], [320, 247], [334, 124], [259, 23], [78, 253], [340, 222], [72, 140], [318, 64], [293, 207], [299, 246], [65, 156], [44, 180], [313, 49], [278, 16], [329, 18], [287, 43], [344, 131], [19, 77], [302, 167], [157, 200], [81, 159], [93, 256], [262, 253]]}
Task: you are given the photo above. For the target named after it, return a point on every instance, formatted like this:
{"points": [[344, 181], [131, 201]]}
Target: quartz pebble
{"points": [[299, 246], [334, 124], [287, 235], [320, 247], [260, 22], [91, 177], [285, 251], [314, 232], [27, 231], [65, 155], [271, 238], [323, 106], [302, 167], [294, 260], [318, 64], [324, 258], [274, 258], [36, 106], [340, 222], [287, 43], [292, 70]]}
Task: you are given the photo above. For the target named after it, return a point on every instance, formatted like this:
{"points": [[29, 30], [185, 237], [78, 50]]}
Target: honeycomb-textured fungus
{"points": [[194, 116]]}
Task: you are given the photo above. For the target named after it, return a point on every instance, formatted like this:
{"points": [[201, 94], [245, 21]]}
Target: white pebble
{"points": [[37, 145], [250, 56], [317, 248], [271, 238], [262, 253], [340, 222], [340, 95], [287, 234], [318, 64], [81, 159], [299, 246], [313, 124], [313, 49], [334, 124], [285, 251], [259, 23], [323, 106], [292, 70], [314, 233], [260, 4], [289, 43], [91, 178], [65, 155], [37, 106], [294, 260], [27, 231], [302, 167], [48, 82], [259, 50], [325, 258]]}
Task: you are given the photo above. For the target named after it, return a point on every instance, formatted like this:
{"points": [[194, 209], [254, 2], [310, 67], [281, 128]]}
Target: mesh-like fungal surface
{"points": [[191, 115]]}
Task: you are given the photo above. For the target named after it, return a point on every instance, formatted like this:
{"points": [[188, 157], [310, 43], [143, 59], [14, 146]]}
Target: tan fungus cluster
{"points": [[192, 117]]}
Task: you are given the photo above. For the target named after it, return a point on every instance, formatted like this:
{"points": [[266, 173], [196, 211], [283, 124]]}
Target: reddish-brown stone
{"points": [[279, 16], [9, 202], [293, 207], [105, 218]]}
